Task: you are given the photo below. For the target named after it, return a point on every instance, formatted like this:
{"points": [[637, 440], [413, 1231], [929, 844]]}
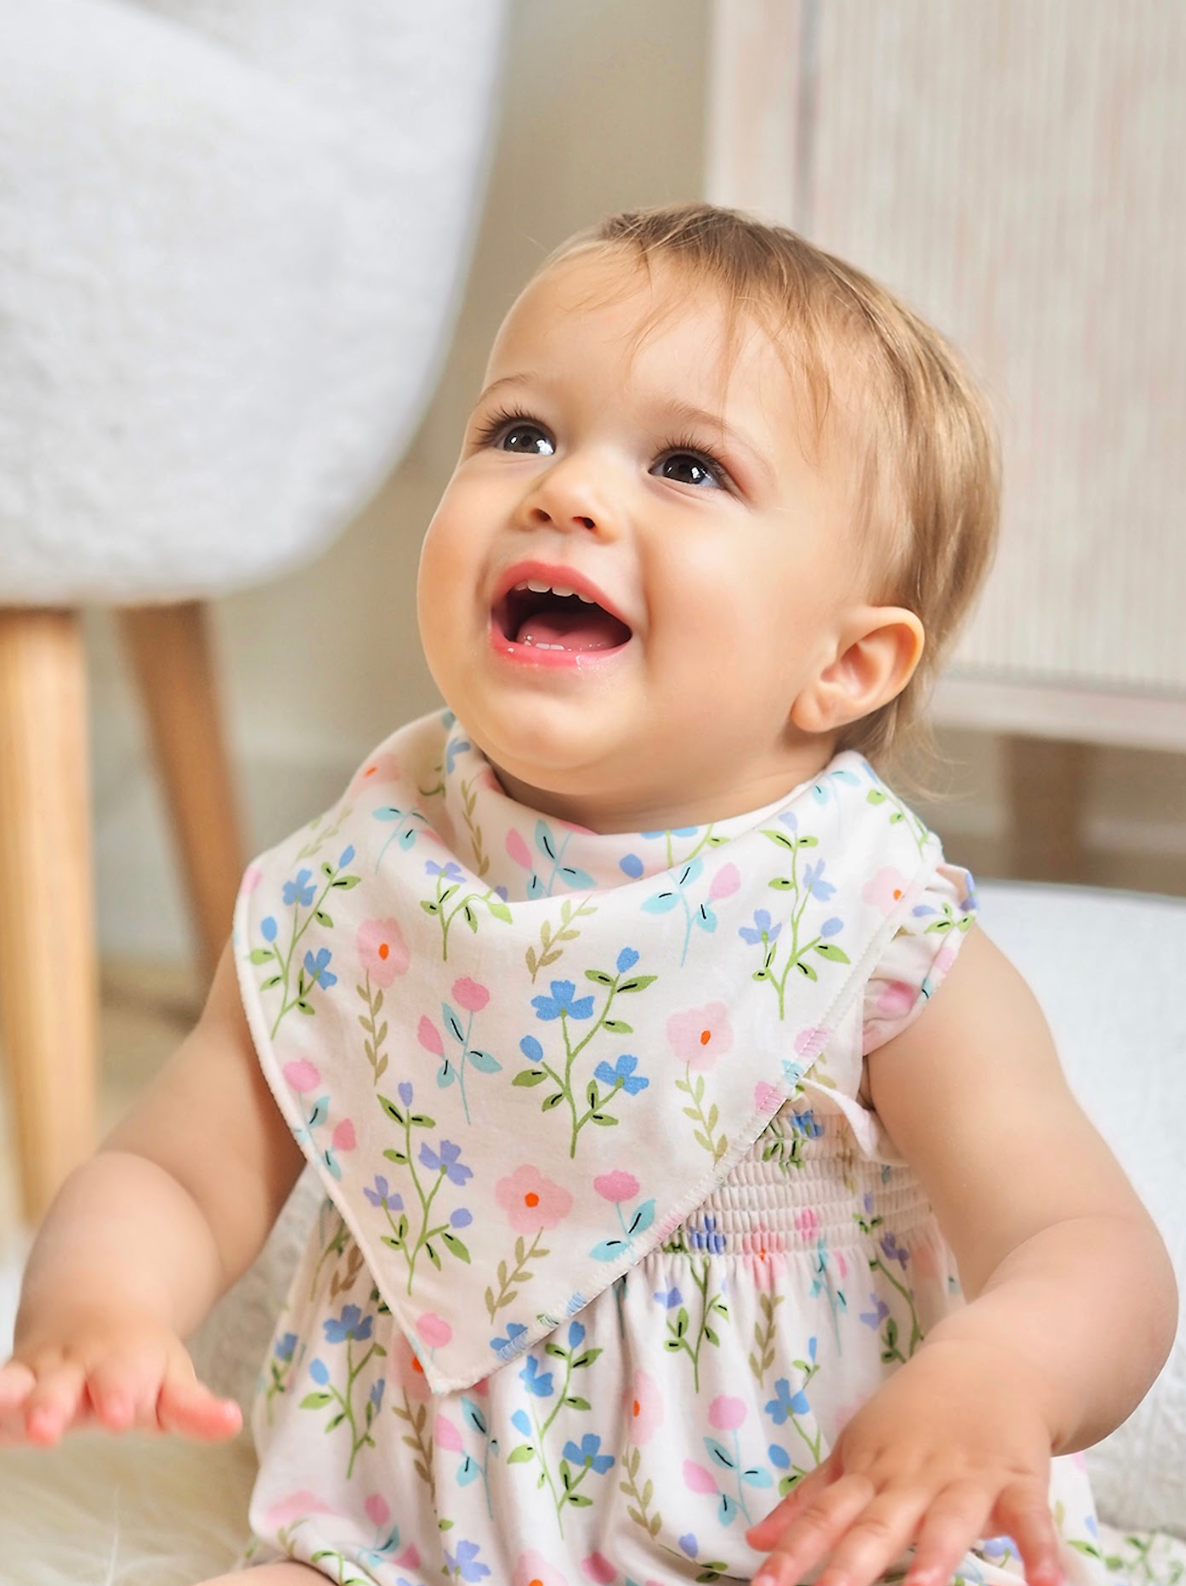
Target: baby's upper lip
{"points": [[563, 580]]}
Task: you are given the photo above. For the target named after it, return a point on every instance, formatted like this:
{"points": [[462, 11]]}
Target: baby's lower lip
{"points": [[549, 656]]}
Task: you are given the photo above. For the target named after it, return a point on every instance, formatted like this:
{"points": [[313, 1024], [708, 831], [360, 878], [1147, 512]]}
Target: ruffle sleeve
{"points": [[919, 954]]}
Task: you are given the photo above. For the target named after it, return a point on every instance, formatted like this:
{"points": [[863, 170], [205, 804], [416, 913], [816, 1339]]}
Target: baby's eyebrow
{"points": [[681, 412], [525, 377]]}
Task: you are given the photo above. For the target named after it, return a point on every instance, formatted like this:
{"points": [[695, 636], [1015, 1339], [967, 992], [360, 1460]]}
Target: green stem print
{"points": [[882, 795], [711, 1305], [881, 1315], [469, 797], [349, 1328], [301, 894], [577, 1460], [706, 1121], [419, 1440], [450, 879], [442, 1163], [762, 1355], [639, 1497], [565, 1008], [549, 936], [784, 1137], [375, 1032], [788, 1408], [507, 1279], [769, 935]]}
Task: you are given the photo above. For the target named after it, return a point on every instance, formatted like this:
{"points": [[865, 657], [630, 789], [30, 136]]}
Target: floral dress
{"points": [[613, 1244]]}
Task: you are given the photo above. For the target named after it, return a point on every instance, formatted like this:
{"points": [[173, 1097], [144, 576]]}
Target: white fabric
{"points": [[231, 236]]}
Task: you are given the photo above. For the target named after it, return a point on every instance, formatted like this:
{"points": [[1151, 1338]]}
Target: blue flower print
{"points": [[669, 1298], [319, 1371], [622, 1075], [451, 871], [521, 1422], [588, 1454], [538, 1382], [465, 1562], [453, 748], [508, 1345], [381, 1194], [813, 881], [707, 1238], [761, 928], [831, 927], [317, 968], [461, 1218], [350, 1324], [448, 1159], [627, 959], [285, 1346], [563, 1001], [303, 890], [268, 928], [786, 1403], [376, 1394], [531, 1049], [631, 865], [790, 820]]}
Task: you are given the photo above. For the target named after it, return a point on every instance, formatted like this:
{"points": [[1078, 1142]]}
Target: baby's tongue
{"points": [[584, 627]]}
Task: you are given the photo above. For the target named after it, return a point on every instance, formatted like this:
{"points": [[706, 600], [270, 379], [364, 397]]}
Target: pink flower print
{"points": [[378, 1510], [896, 999], [302, 1076], [885, 890], [944, 959], [429, 1037], [519, 850], [447, 1435], [343, 1137], [811, 1042], [382, 950], [726, 1414], [532, 1201], [599, 1569], [533, 1569], [472, 997], [766, 1096], [434, 1330], [806, 1222], [409, 1558], [379, 768], [252, 877], [295, 1507], [698, 1036], [616, 1186], [725, 883], [697, 1479], [645, 1405]]}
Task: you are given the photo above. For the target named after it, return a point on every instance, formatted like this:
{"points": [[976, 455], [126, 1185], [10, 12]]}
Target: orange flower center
{"points": [[535, 1582], [705, 1037], [383, 949], [370, 770], [531, 1199], [416, 1366], [637, 1408], [897, 893]]}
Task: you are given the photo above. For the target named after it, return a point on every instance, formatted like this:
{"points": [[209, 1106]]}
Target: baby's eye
{"points": [[524, 438], [689, 468]]}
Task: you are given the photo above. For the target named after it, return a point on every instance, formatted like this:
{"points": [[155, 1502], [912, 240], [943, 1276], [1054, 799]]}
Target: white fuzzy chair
{"points": [[1107, 968], [232, 233]]}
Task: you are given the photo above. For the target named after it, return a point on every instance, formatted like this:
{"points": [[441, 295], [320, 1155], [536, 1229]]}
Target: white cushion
{"points": [[231, 239]]}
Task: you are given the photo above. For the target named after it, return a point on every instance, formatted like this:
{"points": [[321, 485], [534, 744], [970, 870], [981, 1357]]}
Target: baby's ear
{"points": [[875, 658]]}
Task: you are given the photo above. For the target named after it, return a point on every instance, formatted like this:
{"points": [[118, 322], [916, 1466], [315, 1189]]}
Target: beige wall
{"points": [[602, 109]]}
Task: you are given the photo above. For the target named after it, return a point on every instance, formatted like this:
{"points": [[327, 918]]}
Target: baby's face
{"points": [[634, 570]]}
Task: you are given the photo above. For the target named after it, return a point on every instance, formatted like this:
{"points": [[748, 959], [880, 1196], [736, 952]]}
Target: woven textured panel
{"points": [[1015, 171]]}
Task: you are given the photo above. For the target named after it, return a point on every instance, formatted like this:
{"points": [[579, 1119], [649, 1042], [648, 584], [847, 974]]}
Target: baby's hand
{"points": [[121, 1374], [948, 1451]]}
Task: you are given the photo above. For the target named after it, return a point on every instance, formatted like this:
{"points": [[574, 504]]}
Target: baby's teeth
{"points": [[561, 589], [536, 587], [588, 599]]}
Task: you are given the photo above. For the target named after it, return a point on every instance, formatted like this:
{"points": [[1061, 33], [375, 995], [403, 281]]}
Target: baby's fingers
{"points": [[189, 1407], [54, 1403], [16, 1383], [1023, 1512], [813, 1529], [953, 1522]]}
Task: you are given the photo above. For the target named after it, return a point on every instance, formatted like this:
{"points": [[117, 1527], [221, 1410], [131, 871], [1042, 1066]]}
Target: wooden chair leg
{"points": [[171, 654], [48, 979]]}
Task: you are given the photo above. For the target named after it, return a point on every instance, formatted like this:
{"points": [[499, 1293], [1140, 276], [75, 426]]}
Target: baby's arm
{"points": [[1071, 1315], [143, 1239]]}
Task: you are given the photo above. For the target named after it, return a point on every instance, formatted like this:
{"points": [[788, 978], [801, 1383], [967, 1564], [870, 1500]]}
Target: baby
{"points": [[594, 1004]]}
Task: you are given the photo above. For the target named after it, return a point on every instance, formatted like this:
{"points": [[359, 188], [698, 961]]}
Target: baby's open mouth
{"points": [[534, 614]]}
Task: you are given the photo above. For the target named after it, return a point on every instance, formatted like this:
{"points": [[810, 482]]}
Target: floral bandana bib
{"points": [[520, 1053]]}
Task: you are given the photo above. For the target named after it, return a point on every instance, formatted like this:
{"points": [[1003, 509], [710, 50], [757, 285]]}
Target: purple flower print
{"points": [[830, 927], [563, 1003], [405, 1092], [350, 1324], [813, 881], [761, 928], [301, 891], [381, 1194], [894, 1251], [461, 1218], [465, 1563], [877, 1315], [451, 871], [669, 1298], [447, 1158]]}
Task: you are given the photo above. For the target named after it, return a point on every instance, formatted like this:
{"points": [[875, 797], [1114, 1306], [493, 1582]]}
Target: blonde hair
{"points": [[922, 439]]}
